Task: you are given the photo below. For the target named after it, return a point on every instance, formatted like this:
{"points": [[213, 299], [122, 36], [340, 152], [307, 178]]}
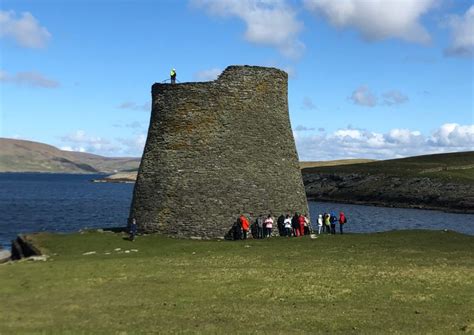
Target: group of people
{"points": [[289, 226], [327, 223], [262, 227]]}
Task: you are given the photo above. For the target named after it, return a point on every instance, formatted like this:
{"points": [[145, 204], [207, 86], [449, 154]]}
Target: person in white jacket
{"points": [[320, 223], [287, 225], [268, 226]]}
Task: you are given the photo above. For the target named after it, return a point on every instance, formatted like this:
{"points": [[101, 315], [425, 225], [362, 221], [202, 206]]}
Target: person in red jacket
{"points": [[244, 223], [342, 220], [301, 221]]}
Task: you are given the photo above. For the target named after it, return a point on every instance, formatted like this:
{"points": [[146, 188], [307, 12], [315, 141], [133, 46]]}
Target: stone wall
{"points": [[216, 150]]}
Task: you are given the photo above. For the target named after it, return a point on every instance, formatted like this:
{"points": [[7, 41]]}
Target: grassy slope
{"points": [[28, 156], [396, 282], [448, 167]]}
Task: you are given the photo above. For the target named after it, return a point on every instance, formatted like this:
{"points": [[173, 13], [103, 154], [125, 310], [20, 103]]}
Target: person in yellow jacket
{"points": [[173, 76]]}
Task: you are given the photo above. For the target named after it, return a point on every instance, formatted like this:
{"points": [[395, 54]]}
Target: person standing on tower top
{"points": [[173, 76]]}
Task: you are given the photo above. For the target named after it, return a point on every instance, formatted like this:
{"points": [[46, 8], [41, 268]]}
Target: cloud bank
{"points": [[82, 141], [396, 143]]}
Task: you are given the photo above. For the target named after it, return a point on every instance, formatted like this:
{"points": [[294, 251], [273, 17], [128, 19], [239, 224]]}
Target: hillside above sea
{"points": [[441, 181], [28, 156]]}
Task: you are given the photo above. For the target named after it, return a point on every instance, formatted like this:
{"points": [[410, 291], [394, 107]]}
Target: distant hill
{"points": [[456, 166], [308, 164], [442, 181], [28, 156]]}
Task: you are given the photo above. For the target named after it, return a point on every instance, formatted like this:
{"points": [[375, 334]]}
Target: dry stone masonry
{"points": [[216, 150]]}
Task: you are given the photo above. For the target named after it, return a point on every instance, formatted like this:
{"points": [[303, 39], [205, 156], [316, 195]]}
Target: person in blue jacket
{"points": [[333, 220]]}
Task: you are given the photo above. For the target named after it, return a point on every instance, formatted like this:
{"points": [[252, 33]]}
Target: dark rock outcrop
{"points": [[216, 150], [23, 248], [390, 191]]}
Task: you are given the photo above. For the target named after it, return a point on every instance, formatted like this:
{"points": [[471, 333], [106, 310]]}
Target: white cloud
{"points": [[303, 128], [81, 141], [25, 30], [207, 75], [134, 106], [454, 135], [404, 136], [348, 134], [308, 104], [269, 22], [362, 96], [29, 78], [462, 27], [361, 143], [394, 97], [377, 19]]}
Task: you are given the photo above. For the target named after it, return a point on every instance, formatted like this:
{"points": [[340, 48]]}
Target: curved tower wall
{"points": [[216, 150]]}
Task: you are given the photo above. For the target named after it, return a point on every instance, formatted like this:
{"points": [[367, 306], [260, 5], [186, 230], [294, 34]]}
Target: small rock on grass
{"points": [[38, 258], [89, 253]]}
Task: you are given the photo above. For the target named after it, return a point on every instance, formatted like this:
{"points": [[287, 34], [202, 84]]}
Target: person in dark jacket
{"points": [[281, 225], [333, 220], [237, 230], [295, 224]]}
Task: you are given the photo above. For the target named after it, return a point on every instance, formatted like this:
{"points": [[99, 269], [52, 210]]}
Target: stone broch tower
{"points": [[216, 150]]}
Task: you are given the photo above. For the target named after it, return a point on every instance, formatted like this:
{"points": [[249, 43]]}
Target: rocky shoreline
{"points": [[390, 191], [121, 177]]}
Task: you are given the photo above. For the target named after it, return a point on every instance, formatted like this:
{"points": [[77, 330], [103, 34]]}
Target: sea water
{"points": [[33, 202]]}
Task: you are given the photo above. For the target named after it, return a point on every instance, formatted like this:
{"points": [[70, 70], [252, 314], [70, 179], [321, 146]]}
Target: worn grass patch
{"points": [[395, 282]]}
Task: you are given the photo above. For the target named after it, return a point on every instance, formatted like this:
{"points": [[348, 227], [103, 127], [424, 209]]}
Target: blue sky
{"points": [[367, 78]]}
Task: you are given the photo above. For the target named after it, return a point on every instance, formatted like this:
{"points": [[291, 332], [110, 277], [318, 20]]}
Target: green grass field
{"points": [[457, 167], [406, 282]]}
